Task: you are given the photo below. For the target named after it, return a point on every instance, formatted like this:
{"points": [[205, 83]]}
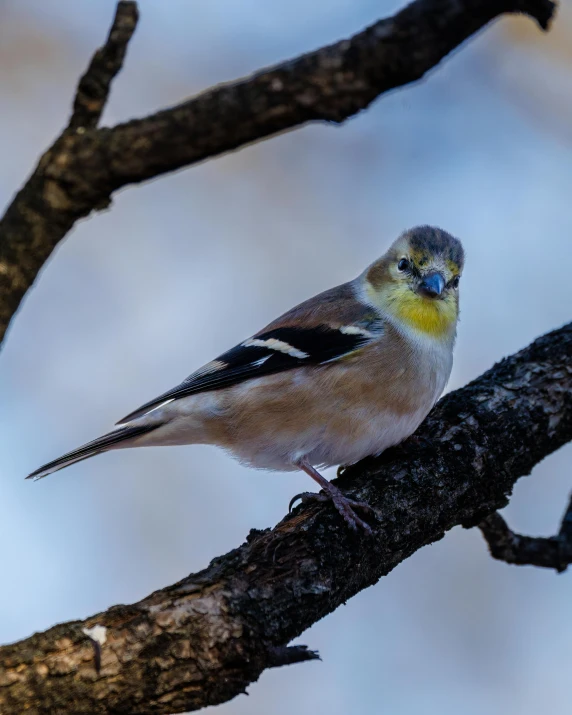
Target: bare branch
{"points": [[79, 173], [43, 211], [554, 552], [205, 639], [288, 655], [93, 88]]}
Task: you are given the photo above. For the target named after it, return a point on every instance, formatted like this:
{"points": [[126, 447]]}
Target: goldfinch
{"points": [[344, 375]]}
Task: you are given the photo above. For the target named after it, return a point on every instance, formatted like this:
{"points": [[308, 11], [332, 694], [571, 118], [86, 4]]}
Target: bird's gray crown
{"points": [[435, 241]]}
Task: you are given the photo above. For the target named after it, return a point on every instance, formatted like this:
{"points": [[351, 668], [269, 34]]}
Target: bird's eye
{"points": [[455, 282], [403, 264]]}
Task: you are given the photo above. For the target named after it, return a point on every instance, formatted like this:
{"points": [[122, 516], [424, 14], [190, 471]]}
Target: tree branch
{"points": [[43, 211], [79, 173], [205, 639], [93, 88], [554, 552]]}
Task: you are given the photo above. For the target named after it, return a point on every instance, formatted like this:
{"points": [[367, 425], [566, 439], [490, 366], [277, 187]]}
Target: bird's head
{"points": [[417, 280]]}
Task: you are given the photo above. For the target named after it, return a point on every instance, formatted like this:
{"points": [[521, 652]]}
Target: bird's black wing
{"points": [[276, 350]]}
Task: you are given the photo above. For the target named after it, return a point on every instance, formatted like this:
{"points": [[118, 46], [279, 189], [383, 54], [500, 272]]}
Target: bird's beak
{"points": [[432, 285]]}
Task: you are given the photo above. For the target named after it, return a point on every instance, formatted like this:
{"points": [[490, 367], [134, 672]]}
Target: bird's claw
{"points": [[307, 498], [345, 507]]}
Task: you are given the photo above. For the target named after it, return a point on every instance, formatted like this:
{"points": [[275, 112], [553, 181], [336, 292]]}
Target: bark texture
{"points": [[93, 88], [81, 170], [554, 552], [205, 639]]}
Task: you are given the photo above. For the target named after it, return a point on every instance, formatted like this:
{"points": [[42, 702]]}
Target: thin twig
{"points": [[554, 552], [288, 655], [93, 88]]}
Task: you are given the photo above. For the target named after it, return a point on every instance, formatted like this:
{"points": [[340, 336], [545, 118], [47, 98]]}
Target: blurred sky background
{"points": [[181, 269]]}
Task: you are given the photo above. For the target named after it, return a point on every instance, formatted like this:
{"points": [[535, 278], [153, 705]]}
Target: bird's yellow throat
{"points": [[432, 317]]}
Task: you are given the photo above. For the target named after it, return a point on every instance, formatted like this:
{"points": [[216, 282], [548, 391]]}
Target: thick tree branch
{"points": [[203, 640], [79, 173], [554, 552]]}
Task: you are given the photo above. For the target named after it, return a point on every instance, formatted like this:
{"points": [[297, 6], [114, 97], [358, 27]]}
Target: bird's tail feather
{"points": [[101, 444]]}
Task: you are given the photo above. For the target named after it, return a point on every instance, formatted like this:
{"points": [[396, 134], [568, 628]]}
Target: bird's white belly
{"points": [[378, 433], [322, 447]]}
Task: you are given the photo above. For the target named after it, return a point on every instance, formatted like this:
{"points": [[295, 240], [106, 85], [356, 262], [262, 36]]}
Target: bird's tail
{"points": [[101, 444]]}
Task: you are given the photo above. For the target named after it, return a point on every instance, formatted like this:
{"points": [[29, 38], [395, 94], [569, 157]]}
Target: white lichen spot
{"points": [[276, 85], [97, 633]]}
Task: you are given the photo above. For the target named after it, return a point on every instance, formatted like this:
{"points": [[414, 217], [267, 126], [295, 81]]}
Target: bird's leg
{"points": [[346, 507]]}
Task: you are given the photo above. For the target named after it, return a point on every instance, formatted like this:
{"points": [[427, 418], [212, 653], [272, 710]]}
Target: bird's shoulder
{"points": [[335, 307]]}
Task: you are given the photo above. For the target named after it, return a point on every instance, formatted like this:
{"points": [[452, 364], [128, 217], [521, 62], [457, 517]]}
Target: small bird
{"points": [[342, 376]]}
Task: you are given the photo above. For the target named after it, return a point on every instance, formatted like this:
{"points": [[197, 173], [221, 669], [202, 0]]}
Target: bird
{"points": [[342, 376]]}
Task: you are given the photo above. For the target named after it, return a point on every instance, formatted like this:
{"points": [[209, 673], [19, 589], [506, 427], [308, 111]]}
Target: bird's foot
{"points": [[346, 507]]}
